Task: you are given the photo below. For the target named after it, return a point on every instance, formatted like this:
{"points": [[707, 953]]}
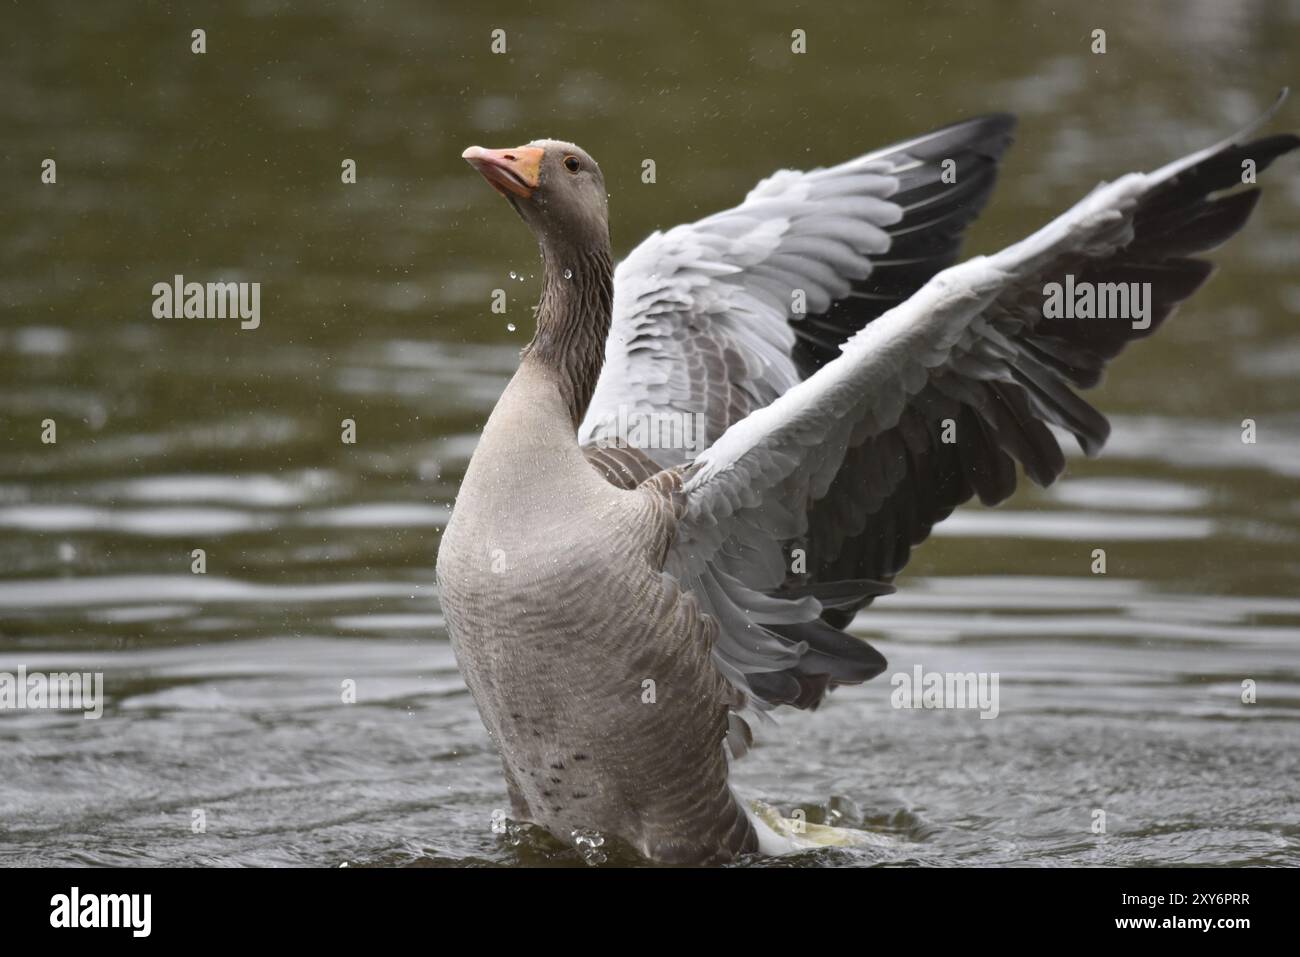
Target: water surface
{"points": [[1119, 692]]}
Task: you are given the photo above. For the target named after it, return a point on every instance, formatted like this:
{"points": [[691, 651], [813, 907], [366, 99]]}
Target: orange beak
{"points": [[516, 171]]}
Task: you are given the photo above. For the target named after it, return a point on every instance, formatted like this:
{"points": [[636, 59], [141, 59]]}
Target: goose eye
{"points": [[571, 164]]}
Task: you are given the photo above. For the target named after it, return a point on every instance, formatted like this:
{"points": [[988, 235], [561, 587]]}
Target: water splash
{"points": [[589, 843]]}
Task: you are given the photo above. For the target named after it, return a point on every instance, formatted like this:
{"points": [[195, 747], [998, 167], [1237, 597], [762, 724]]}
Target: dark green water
{"points": [[1118, 692]]}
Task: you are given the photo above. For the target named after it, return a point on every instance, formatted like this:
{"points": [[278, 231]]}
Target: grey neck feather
{"points": [[573, 320]]}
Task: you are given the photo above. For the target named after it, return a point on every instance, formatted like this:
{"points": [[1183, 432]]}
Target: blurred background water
{"points": [[1119, 692]]}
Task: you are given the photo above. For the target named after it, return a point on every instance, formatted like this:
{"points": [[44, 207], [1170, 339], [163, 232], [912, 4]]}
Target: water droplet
{"points": [[589, 844], [516, 833], [513, 274], [67, 552], [510, 327], [568, 274]]}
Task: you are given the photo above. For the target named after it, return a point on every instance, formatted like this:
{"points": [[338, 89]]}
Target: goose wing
{"points": [[836, 479], [715, 319]]}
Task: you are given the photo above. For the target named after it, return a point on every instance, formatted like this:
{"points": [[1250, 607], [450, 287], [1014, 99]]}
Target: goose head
{"points": [[556, 188]]}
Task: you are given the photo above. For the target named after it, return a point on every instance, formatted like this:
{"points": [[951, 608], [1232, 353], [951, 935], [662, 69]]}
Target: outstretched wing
{"points": [[715, 319], [850, 465]]}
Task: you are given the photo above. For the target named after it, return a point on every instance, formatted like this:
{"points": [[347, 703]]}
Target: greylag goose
{"points": [[619, 606]]}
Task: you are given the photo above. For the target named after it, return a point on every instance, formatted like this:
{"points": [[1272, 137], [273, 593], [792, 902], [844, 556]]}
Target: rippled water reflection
{"points": [[1119, 692]]}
